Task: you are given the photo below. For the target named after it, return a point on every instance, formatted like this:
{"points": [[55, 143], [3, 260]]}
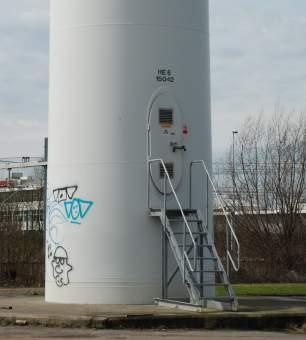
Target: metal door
{"points": [[165, 140]]}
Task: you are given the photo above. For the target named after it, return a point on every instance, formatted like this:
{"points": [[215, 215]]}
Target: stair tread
{"points": [[197, 245], [203, 284], [208, 271], [178, 212], [182, 220], [174, 212], [204, 258], [195, 233]]}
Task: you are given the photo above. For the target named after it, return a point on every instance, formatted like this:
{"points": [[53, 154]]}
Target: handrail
{"points": [[235, 265], [167, 176]]}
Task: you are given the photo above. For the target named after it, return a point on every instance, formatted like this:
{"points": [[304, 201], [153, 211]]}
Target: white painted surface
{"points": [[105, 57]]}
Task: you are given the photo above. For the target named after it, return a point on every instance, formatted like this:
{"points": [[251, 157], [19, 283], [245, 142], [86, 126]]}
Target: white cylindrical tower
{"points": [[129, 79]]}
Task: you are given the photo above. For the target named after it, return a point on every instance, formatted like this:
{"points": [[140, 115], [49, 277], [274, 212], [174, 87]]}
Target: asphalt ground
{"points": [[56, 333]]}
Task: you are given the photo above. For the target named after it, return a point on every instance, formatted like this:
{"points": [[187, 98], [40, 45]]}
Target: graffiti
{"points": [[67, 207], [55, 218], [63, 194], [49, 251], [77, 209], [61, 267], [63, 207]]}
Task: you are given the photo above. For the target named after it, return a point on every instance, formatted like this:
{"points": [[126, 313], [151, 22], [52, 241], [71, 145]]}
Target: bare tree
{"points": [[268, 185]]}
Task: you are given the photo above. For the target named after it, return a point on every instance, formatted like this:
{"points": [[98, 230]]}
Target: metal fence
{"points": [[22, 237]]}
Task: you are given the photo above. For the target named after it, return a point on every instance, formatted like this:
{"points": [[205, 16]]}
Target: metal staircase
{"points": [[186, 233]]}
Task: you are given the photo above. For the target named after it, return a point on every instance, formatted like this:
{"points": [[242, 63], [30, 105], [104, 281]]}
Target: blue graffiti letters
{"points": [[77, 209]]}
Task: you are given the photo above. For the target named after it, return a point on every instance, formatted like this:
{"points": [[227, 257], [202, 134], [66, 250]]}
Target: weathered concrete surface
{"points": [[55, 333], [22, 291], [255, 313]]}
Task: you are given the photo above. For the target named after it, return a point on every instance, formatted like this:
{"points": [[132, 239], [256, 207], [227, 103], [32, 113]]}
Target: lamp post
{"points": [[234, 133]]}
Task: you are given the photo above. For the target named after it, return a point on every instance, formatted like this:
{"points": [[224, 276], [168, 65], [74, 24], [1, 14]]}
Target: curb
{"points": [[275, 321]]}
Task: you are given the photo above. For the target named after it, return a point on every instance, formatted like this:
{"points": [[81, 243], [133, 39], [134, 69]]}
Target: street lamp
{"points": [[234, 132]]}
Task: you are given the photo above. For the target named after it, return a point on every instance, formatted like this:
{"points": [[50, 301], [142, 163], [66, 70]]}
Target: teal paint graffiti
{"points": [[77, 209]]}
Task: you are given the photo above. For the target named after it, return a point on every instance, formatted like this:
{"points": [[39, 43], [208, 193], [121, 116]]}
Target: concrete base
{"points": [[19, 307], [184, 306], [102, 294], [211, 305]]}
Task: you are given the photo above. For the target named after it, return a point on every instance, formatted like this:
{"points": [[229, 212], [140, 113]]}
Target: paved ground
{"points": [[47, 333], [19, 307], [31, 302]]}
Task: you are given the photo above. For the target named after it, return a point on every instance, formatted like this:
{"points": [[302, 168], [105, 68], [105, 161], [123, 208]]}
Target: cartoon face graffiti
{"points": [[61, 267]]}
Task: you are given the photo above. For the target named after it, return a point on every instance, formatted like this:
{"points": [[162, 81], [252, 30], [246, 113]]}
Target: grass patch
{"points": [[266, 289]]}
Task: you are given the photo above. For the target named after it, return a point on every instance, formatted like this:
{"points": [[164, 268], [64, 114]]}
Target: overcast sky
{"points": [[258, 57]]}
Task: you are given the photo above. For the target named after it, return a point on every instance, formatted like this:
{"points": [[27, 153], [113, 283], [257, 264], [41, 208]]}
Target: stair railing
{"points": [[186, 228], [230, 232]]}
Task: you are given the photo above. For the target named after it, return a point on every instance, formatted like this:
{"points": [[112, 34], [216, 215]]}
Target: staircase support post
{"points": [[164, 246]]}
